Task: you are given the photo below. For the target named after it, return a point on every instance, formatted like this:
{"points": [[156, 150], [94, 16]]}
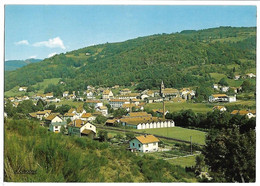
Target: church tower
{"points": [[162, 89]]}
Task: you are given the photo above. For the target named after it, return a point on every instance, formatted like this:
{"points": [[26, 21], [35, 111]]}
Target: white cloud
{"points": [[22, 42], [51, 43], [52, 54], [32, 57]]}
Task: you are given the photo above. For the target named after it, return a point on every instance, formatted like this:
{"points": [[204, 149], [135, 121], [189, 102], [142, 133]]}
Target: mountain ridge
{"points": [[179, 59]]}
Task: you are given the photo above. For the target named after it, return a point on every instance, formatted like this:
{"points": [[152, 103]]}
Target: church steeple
{"points": [[162, 86], [162, 89]]}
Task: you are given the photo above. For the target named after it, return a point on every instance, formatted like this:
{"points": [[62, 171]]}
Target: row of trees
{"points": [[211, 120]]}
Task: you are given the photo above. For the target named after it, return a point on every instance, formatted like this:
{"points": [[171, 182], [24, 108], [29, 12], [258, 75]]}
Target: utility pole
{"points": [[190, 144]]}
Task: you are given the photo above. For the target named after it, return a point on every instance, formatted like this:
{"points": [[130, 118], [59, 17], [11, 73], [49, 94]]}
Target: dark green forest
{"points": [[179, 59]]}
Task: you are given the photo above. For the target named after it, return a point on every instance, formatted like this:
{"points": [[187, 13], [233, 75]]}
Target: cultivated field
{"points": [[178, 133]]}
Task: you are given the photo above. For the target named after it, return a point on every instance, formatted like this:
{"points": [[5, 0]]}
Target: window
{"points": [[154, 144], [133, 144], [139, 145], [56, 127]]}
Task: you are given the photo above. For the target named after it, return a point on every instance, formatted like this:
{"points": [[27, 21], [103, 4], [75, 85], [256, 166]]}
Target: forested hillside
{"points": [[179, 59], [15, 64]]}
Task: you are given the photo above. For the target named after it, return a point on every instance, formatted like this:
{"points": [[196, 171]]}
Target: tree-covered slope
{"points": [[15, 64], [180, 59]]}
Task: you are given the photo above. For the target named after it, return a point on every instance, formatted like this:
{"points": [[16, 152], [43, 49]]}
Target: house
{"points": [[95, 103], [15, 104], [80, 110], [187, 94], [232, 98], [53, 118], [40, 114], [23, 89], [111, 122], [249, 114], [215, 86], [220, 108], [103, 110], [71, 116], [107, 94], [26, 98], [144, 96], [224, 88], [250, 75], [65, 94], [218, 98], [49, 95], [237, 77], [145, 143], [87, 117], [82, 128], [125, 91], [117, 103], [11, 99], [56, 126], [71, 96], [88, 93]]}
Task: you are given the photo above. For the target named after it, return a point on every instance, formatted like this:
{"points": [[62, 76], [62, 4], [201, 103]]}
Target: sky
{"points": [[40, 31]]}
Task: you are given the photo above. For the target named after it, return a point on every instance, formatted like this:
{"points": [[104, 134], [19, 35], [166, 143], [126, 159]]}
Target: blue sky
{"points": [[40, 31]]}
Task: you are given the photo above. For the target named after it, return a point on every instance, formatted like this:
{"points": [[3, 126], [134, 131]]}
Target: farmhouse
{"points": [[65, 94], [107, 94], [218, 98], [53, 118], [250, 75], [128, 96], [146, 143], [87, 117], [220, 108], [82, 128], [23, 89]]}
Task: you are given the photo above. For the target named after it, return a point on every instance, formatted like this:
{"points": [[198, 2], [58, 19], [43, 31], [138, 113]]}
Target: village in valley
{"points": [[95, 110], [114, 98]]}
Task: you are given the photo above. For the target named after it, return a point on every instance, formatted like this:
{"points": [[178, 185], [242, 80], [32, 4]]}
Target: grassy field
{"points": [[178, 133], [14, 92], [175, 106], [45, 83], [42, 85], [184, 161]]}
